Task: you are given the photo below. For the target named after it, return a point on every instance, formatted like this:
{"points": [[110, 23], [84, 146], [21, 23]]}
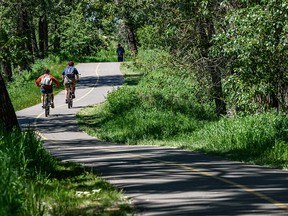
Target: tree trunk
{"points": [[206, 29], [5, 54], [7, 69], [7, 113], [131, 39], [217, 91], [34, 43], [56, 41], [43, 35], [24, 32]]}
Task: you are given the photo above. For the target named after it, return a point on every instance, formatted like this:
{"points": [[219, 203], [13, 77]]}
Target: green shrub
{"points": [[122, 100], [151, 124]]}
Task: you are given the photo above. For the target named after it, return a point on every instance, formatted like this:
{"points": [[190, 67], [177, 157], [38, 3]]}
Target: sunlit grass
{"points": [[260, 139], [83, 194]]}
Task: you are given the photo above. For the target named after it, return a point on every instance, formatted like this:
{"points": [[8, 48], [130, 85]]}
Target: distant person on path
{"points": [[45, 81], [120, 52], [70, 73]]}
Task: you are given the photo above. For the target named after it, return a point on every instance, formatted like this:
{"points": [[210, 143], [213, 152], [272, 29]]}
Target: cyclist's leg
{"points": [[42, 99], [66, 94], [52, 97], [42, 96], [66, 84]]}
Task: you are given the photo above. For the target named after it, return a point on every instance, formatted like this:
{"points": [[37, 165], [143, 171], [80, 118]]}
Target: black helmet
{"points": [[46, 71]]}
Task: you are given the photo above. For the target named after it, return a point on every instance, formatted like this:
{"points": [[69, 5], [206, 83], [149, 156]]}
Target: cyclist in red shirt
{"points": [[45, 81]]}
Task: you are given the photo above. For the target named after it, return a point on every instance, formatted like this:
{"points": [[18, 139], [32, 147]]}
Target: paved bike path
{"points": [[159, 180]]}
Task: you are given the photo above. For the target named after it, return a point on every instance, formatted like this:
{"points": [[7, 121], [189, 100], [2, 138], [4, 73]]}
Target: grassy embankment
{"points": [[162, 105], [32, 182]]}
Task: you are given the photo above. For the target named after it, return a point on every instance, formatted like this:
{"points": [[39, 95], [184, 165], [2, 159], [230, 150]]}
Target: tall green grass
{"points": [[23, 160], [260, 139]]}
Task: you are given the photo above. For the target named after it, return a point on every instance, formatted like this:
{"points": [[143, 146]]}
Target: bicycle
{"points": [[70, 91], [47, 103]]}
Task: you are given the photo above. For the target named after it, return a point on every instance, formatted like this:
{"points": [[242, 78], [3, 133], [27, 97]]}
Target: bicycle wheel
{"points": [[71, 100], [47, 111], [69, 97], [47, 107]]}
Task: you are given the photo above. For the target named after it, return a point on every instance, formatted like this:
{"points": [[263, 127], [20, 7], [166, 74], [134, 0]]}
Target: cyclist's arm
{"points": [[76, 73], [55, 81], [63, 75], [38, 81]]}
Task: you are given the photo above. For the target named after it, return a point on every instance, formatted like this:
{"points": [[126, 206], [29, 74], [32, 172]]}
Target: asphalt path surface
{"points": [[158, 180]]}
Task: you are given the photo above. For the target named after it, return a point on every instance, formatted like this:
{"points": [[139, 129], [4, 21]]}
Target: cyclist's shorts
{"points": [[69, 80], [44, 91]]}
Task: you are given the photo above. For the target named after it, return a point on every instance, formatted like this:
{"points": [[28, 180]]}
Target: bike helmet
{"points": [[71, 63]]}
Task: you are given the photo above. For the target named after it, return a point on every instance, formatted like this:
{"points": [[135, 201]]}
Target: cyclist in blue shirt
{"points": [[70, 73]]}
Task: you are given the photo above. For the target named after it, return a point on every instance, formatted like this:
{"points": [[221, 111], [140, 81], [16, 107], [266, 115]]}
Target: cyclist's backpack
{"points": [[70, 72], [46, 80]]}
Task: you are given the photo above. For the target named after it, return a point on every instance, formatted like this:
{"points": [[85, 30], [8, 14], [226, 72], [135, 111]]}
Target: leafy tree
{"points": [[76, 34], [255, 47]]}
